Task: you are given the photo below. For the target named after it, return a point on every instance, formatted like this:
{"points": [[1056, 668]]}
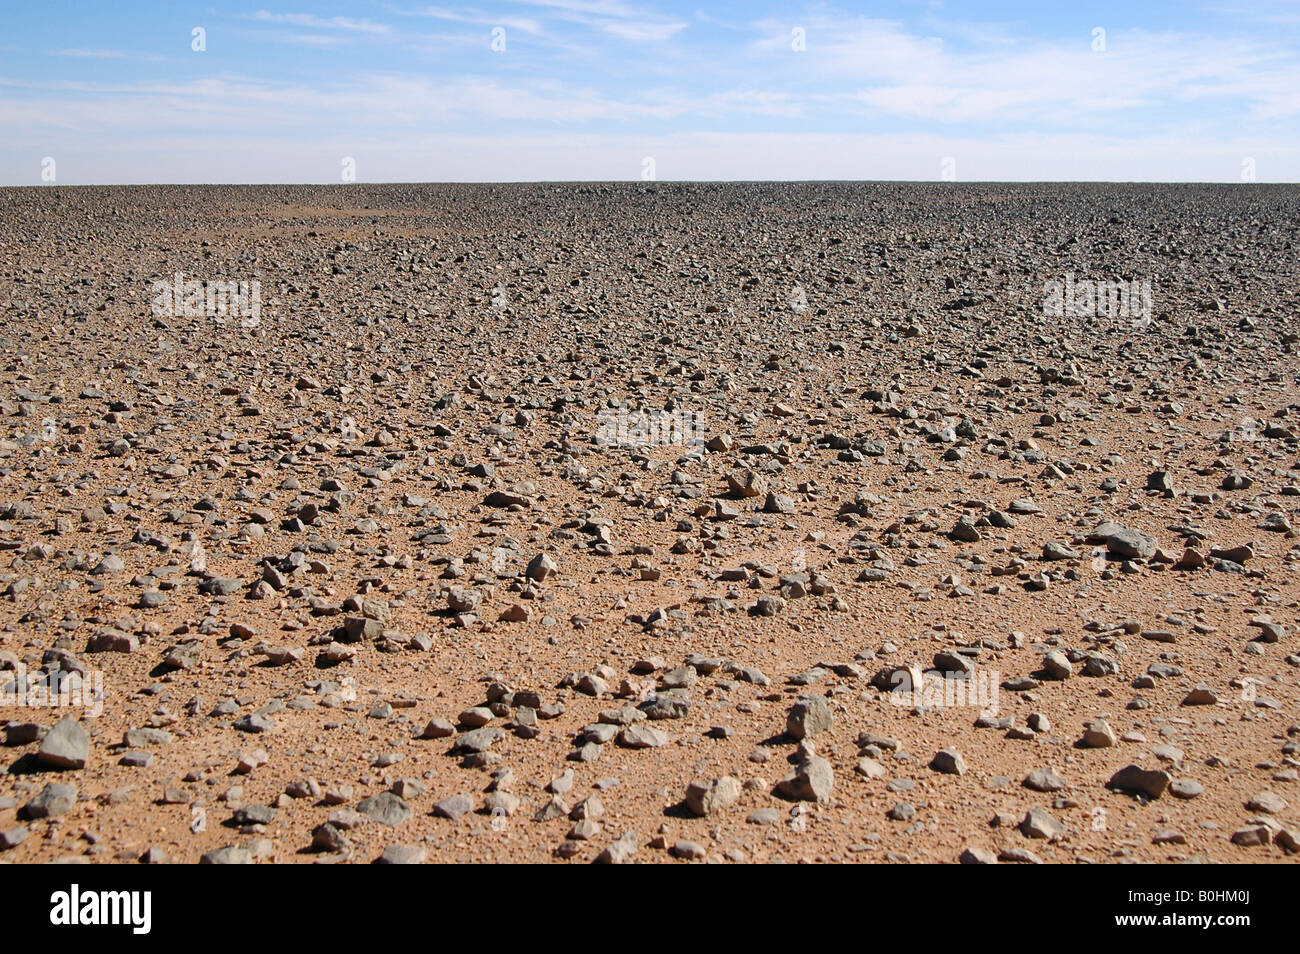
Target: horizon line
{"points": [[638, 182]]}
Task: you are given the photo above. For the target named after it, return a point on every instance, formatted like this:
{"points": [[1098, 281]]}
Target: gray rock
{"points": [[1131, 544], [1099, 664], [666, 706], [688, 850], [1098, 735], [402, 855], [1185, 788], [112, 563], [111, 640], [1057, 665], [54, 799], [1202, 695], [705, 797], [184, 656], [255, 815], [642, 737], [541, 568], [13, 837], [254, 722], [147, 736], [438, 729], [1270, 803], [1018, 855], [462, 600], [329, 837], [902, 811], [454, 807], [948, 762], [809, 716], [385, 808], [1039, 824], [810, 781], [478, 740], [229, 855], [65, 746], [620, 851], [1133, 778], [1043, 780], [220, 586], [1250, 836], [501, 804]]}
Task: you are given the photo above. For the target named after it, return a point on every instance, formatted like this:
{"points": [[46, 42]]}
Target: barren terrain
{"points": [[607, 522]]}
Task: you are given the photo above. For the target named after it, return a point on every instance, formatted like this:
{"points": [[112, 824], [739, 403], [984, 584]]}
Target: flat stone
{"points": [[642, 737], [402, 855], [1043, 780], [385, 808], [454, 807]]}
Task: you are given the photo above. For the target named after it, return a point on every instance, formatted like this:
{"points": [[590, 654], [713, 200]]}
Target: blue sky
{"points": [[617, 89]]}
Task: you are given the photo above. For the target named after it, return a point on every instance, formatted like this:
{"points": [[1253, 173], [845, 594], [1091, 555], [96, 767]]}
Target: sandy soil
{"points": [[777, 443]]}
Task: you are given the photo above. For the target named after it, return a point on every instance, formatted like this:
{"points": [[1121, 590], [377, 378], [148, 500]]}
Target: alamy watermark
{"points": [[218, 300], [57, 690], [797, 300], [626, 426], [74, 907], [935, 690], [1085, 298]]}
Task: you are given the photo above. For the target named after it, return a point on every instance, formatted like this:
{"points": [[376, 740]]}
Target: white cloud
{"points": [[527, 25], [322, 23], [319, 40], [93, 54], [614, 18], [882, 65]]}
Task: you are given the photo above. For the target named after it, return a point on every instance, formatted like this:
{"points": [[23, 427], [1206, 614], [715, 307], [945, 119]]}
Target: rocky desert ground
{"points": [[650, 522]]}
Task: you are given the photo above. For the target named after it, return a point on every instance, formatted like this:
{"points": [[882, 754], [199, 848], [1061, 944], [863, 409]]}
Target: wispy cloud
{"points": [[318, 40], [480, 18], [322, 23], [614, 18], [87, 54], [894, 71]]}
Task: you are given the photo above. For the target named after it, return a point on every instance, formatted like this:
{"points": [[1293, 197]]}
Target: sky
{"points": [[525, 90]]}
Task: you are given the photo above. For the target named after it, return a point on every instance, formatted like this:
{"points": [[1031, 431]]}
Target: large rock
{"points": [[54, 799], [1133, 778], [807, 717], [811, 781], [746, 483], [478, 740], [1125, 543], [109, 640], [385, 808], [1039, 824], [66, 746], [541, 567], [948, 762], [704, 797]]}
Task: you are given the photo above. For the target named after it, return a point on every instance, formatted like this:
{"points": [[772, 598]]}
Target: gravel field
{"points": [[650, 522]]}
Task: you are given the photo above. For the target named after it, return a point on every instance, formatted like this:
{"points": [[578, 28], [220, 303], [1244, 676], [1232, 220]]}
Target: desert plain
{"points": [[650, 522]]}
